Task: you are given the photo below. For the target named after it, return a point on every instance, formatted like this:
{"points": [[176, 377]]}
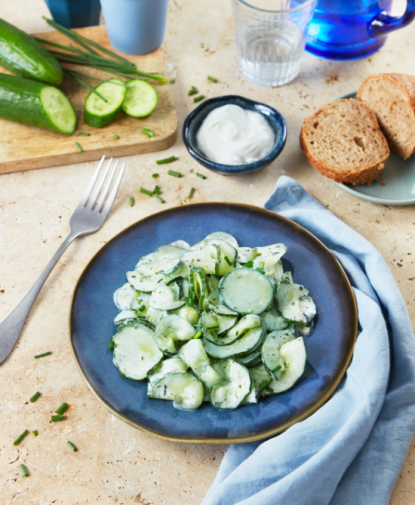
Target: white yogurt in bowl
{"points": [[231, 135]]}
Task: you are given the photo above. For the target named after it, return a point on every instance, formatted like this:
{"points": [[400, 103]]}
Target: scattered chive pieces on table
{"points": [[146, 191], [198, 98], [42, 355], [198, 334], [174, 174], [157, 197], [191, 193], [34, 397], [201, 176], [172, 81], [71, 445], [211, 79], [166, 160], [141, 308], [148, 132], [116, 137], [20, 438], [132, 201], [79, 147], [35, 433], [193, 91], [85, 133], [154, 176], [58, 417], [24, 470], [62, 407], [156, 190], [228, 261]]}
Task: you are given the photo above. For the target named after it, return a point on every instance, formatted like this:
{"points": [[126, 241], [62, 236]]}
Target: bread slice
{"points": [[392, 99], [342, 140]]}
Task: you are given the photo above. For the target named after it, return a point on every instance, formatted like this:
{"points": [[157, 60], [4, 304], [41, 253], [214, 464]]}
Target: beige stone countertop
{"points": [[116, 463]]}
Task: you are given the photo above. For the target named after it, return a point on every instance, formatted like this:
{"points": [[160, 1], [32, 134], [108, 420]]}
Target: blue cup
{"points": [[75, 13], [135, 26]]}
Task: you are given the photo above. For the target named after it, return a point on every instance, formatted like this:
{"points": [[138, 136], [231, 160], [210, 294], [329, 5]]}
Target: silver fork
{"points": [[88, 217]]}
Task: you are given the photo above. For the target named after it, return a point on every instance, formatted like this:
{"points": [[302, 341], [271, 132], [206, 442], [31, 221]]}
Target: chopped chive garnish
{"points": [[116, 137], [211, 79], [70, 444], [276, 369], [172, 81], [249, 264], [198, 98], [242, 314], [156, 190], [262, 264], [142, 308], [191, 301], [166, 160], [157, 197], [191, 193], [201, 176], [213, 327], [58, 417], [154, 176], [148, 132], [24, 470], [85, 133], [34, 397], [146, 191], [260, 270], [62, 407], [132, 201], [174, 174], [42, 355], [215, 335], [112, 345], [228, 261], [35, 433], [264, 384], [79, 147], [198, 334], [193, 91], [20, 438]]}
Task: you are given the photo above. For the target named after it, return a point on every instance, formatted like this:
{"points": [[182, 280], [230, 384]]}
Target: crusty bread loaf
{"points": [[392, 98], [343, 141]]}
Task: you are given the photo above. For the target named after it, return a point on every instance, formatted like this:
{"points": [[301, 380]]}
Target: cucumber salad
{"points": [[212, 322]]}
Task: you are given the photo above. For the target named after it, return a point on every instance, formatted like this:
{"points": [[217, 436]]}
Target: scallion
{"points": [[79, 147], [249, 264], [201, 176], [215, 336], [228, 261], [174, 174], [157, 197], [116, 137], [264, 384], [191, 193], [193, 91], [71, 445], [42, 355], [199, 98], [166, 160], [154, 176], [141, 308], [276, 369], [112, 345], [34, 397], [146, 191], [198, 334], [213, 327], [211, 79], [35, 433], [85, 133], [148, 132], [24, 470], [20, 438], [132, 201], [56, 418], [156, 190], [62, 407], [172, 81]]}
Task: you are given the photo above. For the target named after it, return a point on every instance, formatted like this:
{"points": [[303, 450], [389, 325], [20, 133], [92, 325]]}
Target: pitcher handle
{"points": [[383, 23]]}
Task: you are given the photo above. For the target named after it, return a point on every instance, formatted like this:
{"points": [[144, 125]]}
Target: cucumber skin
{"points": [[24, 56], [20, 102]]}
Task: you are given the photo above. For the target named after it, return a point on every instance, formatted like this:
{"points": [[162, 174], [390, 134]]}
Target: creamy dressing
{"points": [[231, 135]]}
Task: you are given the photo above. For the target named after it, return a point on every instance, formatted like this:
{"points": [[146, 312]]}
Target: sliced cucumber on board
{"points": [[141, 98], [184, 389], [97, 112]]}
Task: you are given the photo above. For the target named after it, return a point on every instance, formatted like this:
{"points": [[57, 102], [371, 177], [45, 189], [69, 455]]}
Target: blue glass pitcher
{"points": [[348, 29]]}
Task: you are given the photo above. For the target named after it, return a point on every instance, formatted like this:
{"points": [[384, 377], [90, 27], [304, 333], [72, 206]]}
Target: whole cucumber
{"points": [[21, 54], [36, 104]]}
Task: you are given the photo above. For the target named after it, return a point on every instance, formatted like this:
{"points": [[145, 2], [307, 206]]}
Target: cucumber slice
{"points": [[163, 299], [181, 243], [124, 318], [246, 254], [199, 285], [204, 258], [271, 356], [228, 394], [124, 296], [275, 251], [252, 396], [226, 250], [164, 252], [218, 324], [174, 364], [273, 320], [142, 300], [250, 358], [223, 236], [141, 282], [246, 291], [184, 389], [194, 355], [191, 314], [212, 283], [98, 113], [135, 352], [294, 302], [141, 98], [154, 316], [246, 324], [215, 306], [246, 344], [165, 266], [169, 330], [304, 328]]}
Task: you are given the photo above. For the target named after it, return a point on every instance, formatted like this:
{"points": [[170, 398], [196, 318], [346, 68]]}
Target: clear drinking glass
{"points": [[270, 38]]}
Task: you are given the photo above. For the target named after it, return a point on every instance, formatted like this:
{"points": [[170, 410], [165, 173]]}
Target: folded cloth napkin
{"points": [[351, 450]]}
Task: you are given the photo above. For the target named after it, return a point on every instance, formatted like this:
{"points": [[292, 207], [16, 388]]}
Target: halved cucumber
{"points": [[223, 236], [204, 258], [276, 251], [141, 304], [252, 396], [194, 355], [273, 320], [141, 282], [246, 254], [218, 324], [154, 316], [246, 344], [124, 318], [165, 266], [251, 358], [226, 256], [164, 252], [214, 304], [191, 314], [124, 296], [246, 324], [294, 302], [97, 112], [135, 352], [271, 357], [171, 329], [141, 98], [181, 243], [229, 393], [163, 298], [246, 291], [174, 364], [184, 389]]}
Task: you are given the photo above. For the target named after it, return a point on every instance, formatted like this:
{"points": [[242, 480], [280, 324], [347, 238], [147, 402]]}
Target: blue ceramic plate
{"points": [[397, 182], [329, 348]]}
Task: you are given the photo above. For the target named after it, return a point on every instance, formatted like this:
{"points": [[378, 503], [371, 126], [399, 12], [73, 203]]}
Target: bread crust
{"points": [[407, 85], [364, 175]]}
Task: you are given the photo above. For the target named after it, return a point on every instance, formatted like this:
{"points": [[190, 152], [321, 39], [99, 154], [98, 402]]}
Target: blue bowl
{"points": [[194, 120]]}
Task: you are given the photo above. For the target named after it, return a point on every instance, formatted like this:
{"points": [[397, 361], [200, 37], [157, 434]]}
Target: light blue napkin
{"points": [[351, 450]]}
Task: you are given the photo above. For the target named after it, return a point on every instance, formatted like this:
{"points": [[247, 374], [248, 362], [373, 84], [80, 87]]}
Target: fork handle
{"points": [[12, 326]]}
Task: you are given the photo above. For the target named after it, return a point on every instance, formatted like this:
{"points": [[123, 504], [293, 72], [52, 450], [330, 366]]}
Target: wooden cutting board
{"points": [[26, 147]]}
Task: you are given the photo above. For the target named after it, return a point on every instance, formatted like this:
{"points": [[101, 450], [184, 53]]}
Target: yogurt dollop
{"points": [[231, 135]]}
